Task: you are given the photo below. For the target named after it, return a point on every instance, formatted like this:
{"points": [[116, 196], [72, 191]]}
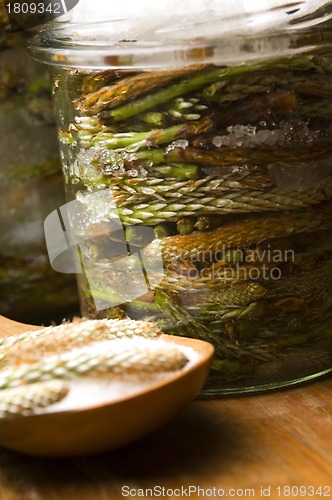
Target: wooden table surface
{"points": [[274, 441]]}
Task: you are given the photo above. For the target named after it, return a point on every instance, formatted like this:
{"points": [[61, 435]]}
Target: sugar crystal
{"points": [[148, 19]]}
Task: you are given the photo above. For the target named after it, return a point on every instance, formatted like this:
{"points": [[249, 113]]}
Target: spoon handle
{"points": [[10, 327]]}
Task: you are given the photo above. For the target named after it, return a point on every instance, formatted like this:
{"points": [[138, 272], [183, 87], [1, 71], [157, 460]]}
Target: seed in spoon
{"points": [[137, 356], [26, 400], [30, 347]]}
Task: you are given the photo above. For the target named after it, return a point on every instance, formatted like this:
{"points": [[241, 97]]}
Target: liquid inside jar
{"points": [[205, 200]]}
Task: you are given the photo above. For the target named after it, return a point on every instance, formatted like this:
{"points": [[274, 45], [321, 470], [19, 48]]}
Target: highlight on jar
{"points": [[199, 183]]}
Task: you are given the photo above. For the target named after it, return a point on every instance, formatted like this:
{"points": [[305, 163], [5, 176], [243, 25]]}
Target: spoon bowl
{"points": [[104, 414]]}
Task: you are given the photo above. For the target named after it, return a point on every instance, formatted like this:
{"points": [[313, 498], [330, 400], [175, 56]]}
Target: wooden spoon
{"points": [[121, 416]]}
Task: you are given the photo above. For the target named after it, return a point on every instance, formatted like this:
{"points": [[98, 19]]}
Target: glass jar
{"points": [[31, 186], [200, 174]]}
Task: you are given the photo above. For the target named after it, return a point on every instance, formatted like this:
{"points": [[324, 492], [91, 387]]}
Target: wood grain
{"points": [[277, 439]]}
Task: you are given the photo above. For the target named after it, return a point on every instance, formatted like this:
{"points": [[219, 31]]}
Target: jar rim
{"points": [[96, 44]]}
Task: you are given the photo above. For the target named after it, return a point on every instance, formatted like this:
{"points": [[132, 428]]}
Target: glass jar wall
{"points": [[202, 178]]}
